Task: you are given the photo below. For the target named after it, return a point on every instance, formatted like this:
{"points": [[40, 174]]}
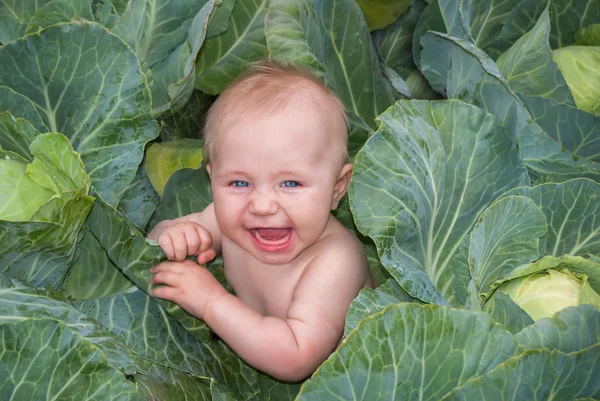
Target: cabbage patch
{"points": [[474, 129]]}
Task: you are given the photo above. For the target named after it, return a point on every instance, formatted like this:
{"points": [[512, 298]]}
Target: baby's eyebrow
{"points": [[287, 172], [234, 173]]}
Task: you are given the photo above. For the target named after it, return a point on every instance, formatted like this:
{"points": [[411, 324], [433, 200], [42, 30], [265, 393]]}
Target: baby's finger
{"points": [[205, 238], [166, 243], [193, 241], [207, 256], [167, 278], [173, 267], [179, 245], [168, 293]]}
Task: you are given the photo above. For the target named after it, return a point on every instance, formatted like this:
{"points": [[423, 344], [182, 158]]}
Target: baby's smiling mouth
{"points": [[272, 239], [271, 235]]}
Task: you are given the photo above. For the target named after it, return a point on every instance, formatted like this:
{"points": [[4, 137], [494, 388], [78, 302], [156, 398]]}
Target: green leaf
{"points": [[579, 66], [313, 35], [484, 23], [588, 36], [14, 17], [180, 90], [107, 12], [86, 84], [272, 390], [72, 368], [522, 18], [537, 375], [21, 303], [154, 335], [79, 359], [188, 121], [410, 352], [370, 301], [134, 256], [219, 19], [91, 266], [462, 71], [430, 20], [419, 185], [548, 161], [507, 235], [56, 166], [20, 106], [568, 17], [491, 25], [420, 88], [140, 200], [40, 252], [163, 159], [20, 197], [380, 274], [381, 13], [161, 383], [84, 359], [224, 57], [529, 68], [187, 191], [572, 210], [59, 11], [397, 82], [166, 36], [457, 17], [16, 135], [55, 172], [21, 17], [572, 329], [503, 310], [394, 43], [576, 130]]}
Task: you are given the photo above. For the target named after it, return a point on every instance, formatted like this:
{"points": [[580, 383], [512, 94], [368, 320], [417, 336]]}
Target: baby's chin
{"points": [[274, 260]]}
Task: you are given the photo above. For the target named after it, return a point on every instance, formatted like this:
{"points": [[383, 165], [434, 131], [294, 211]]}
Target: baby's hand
{"points": [[181, 239], [187, 284]]}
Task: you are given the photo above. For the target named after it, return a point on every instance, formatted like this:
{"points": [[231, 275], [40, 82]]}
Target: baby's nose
{"points": [[263, 204]]}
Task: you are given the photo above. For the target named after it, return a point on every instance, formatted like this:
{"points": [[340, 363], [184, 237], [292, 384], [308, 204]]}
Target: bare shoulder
{"points": [[340, 254], [332, 278]]}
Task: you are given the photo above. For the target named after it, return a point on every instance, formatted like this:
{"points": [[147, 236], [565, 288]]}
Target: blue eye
{"points": [[291, 184], [240, 184]]}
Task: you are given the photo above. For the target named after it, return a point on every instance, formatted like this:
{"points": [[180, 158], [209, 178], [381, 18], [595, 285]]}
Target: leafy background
{"points": [[473, 127]]}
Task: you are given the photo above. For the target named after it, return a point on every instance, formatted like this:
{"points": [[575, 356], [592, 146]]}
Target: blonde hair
{"points": [[268, 86]]}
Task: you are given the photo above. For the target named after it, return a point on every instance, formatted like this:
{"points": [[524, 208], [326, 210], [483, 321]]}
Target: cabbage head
{"points": [[580, 66], [545, 293]]}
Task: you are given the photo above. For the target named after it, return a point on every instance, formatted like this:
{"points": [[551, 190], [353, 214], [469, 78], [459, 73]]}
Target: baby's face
{"points": [[273, 180]]}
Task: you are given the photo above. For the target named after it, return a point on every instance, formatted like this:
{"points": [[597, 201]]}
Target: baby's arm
{"points": [[291, 349], [193, 234]]}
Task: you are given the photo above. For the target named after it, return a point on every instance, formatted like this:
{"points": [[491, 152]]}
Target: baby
{"points": [[276, 151]]}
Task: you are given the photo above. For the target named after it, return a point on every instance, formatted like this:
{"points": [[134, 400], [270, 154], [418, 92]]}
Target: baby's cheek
{"points": [[227, 210], [312, 215]]}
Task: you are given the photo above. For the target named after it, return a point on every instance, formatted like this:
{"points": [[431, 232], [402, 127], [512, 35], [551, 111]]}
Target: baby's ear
{"points": [[341, 186]]}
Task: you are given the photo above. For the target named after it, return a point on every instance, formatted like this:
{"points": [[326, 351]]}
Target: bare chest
{"points": [[266, 288]]}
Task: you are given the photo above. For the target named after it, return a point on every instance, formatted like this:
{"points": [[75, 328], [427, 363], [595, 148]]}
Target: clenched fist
{"points": [[181, 239]]}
